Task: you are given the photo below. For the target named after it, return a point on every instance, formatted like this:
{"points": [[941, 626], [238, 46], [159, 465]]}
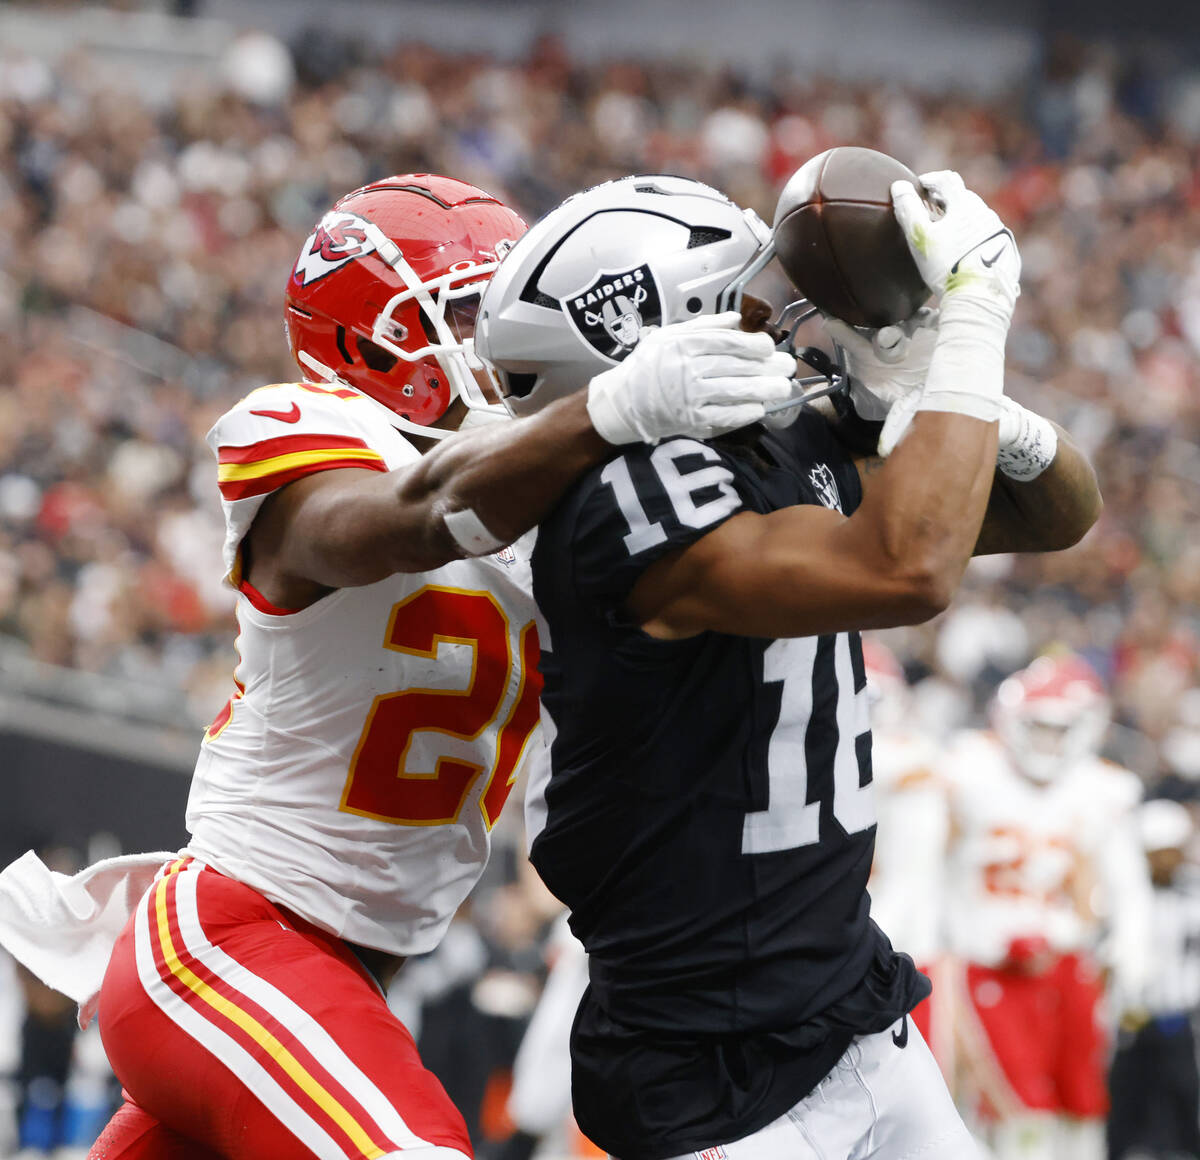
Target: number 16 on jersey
{"points": [[790, 819]]}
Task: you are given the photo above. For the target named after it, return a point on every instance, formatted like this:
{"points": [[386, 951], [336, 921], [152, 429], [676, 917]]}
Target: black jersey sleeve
{"points": [[640, 506]]}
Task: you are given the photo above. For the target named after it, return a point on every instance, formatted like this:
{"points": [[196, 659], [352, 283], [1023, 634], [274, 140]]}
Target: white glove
{"points": [[888, 363], [970, 260], [899, 419], [968, 251], [702, 377]]}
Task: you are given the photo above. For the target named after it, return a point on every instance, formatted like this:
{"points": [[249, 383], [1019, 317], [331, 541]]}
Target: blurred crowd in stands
{"points": [[143, 253]]}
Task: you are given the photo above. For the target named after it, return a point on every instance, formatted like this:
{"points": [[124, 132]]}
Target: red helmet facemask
{"points": [[384, 292]]}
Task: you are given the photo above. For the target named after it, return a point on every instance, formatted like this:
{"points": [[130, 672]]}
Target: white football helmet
{"points": [[572, 296]]}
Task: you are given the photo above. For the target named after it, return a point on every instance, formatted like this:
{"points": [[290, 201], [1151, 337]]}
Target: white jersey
{"points": [[906, 876], [372, 737], [1055, 862], [540, 1100]]}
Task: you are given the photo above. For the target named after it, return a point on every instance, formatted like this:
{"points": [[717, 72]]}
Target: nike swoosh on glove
{"points": [[967, 251], [969, 259]]}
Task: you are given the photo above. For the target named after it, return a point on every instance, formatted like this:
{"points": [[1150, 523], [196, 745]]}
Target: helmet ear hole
{"points": [[375, 356], [518, 385]]}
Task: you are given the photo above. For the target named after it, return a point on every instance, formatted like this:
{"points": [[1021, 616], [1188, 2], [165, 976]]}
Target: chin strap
{"points": [[831, 377], [408, 427], [830, 380], [475, 416]]}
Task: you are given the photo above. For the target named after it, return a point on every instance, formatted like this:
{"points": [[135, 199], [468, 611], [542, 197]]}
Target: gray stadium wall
{"points": [[62, 793]]}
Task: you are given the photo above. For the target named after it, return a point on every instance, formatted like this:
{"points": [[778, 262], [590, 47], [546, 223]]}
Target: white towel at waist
{"points": [[63, 928]]}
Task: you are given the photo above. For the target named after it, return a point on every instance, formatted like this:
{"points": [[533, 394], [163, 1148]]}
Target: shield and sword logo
{"points": [[825, 485], [610, 312]]}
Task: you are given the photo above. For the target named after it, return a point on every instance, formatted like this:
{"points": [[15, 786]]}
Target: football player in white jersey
{"points": [[1047, 894], [539, 1103], [386, 695]]}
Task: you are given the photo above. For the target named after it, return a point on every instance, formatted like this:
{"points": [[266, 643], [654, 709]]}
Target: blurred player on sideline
{"points": [[1047, 892], [907, 879], [907, 868], [539, 1103], [385, 697], [708, 816], [1154, 1081]]}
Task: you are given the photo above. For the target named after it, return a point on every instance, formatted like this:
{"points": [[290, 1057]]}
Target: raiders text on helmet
{"points": [[384, 292], [571, 298]]}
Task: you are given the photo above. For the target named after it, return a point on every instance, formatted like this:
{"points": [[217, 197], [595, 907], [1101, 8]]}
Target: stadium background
{"points": [[160, 163]]}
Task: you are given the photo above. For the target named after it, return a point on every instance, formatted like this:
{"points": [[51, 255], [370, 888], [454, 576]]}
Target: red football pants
{"points": [[240, 1030], [1041, 1040]]}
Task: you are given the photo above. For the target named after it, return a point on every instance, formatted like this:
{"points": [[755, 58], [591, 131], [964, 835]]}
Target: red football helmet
{"points": [[1051, 715], [384, 293]]}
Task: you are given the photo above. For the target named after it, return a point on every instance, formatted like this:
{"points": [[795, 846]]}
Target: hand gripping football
{"points": [[839, 242]]}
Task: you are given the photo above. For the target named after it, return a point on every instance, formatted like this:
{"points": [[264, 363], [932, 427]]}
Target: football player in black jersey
{"points": [[707, 814]]}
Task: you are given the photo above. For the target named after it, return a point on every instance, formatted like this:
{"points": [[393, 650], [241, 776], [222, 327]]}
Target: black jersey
{"points": [[708, 816]]}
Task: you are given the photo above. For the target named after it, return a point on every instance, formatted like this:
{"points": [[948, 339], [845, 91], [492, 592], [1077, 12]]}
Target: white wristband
{"points": [[1028, 443], [966, 371], [470, 533]]}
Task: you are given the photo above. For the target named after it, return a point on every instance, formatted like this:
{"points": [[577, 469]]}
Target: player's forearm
{"points": [[1045, 514], [920, 521], [695, 377], [485, 488], [480, 490], [347, 528], [928, 514]]}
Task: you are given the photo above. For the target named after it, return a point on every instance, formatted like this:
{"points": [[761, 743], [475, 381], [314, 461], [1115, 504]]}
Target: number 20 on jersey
{"points": [[380, 784]]}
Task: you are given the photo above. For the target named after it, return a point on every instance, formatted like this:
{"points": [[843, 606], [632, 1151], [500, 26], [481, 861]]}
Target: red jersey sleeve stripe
{"points": [[262, 484], [288, 445]]}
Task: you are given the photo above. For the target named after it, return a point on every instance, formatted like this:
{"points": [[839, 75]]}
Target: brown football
{"points": [[839, 242]]}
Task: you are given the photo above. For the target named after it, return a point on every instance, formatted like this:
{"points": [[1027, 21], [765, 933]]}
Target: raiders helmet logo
{"points": [[825, 486], [338, 238], [610, 313]]}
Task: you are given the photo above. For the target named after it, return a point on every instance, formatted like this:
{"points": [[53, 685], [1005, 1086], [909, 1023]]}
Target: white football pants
{"points": [[881, 1101]]}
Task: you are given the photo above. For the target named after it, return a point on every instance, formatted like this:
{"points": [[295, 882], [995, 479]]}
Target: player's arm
{"points": [[479, 490], [1045, 496], [347, 527], [1046, 513], [806, 570], [899, 557]]}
